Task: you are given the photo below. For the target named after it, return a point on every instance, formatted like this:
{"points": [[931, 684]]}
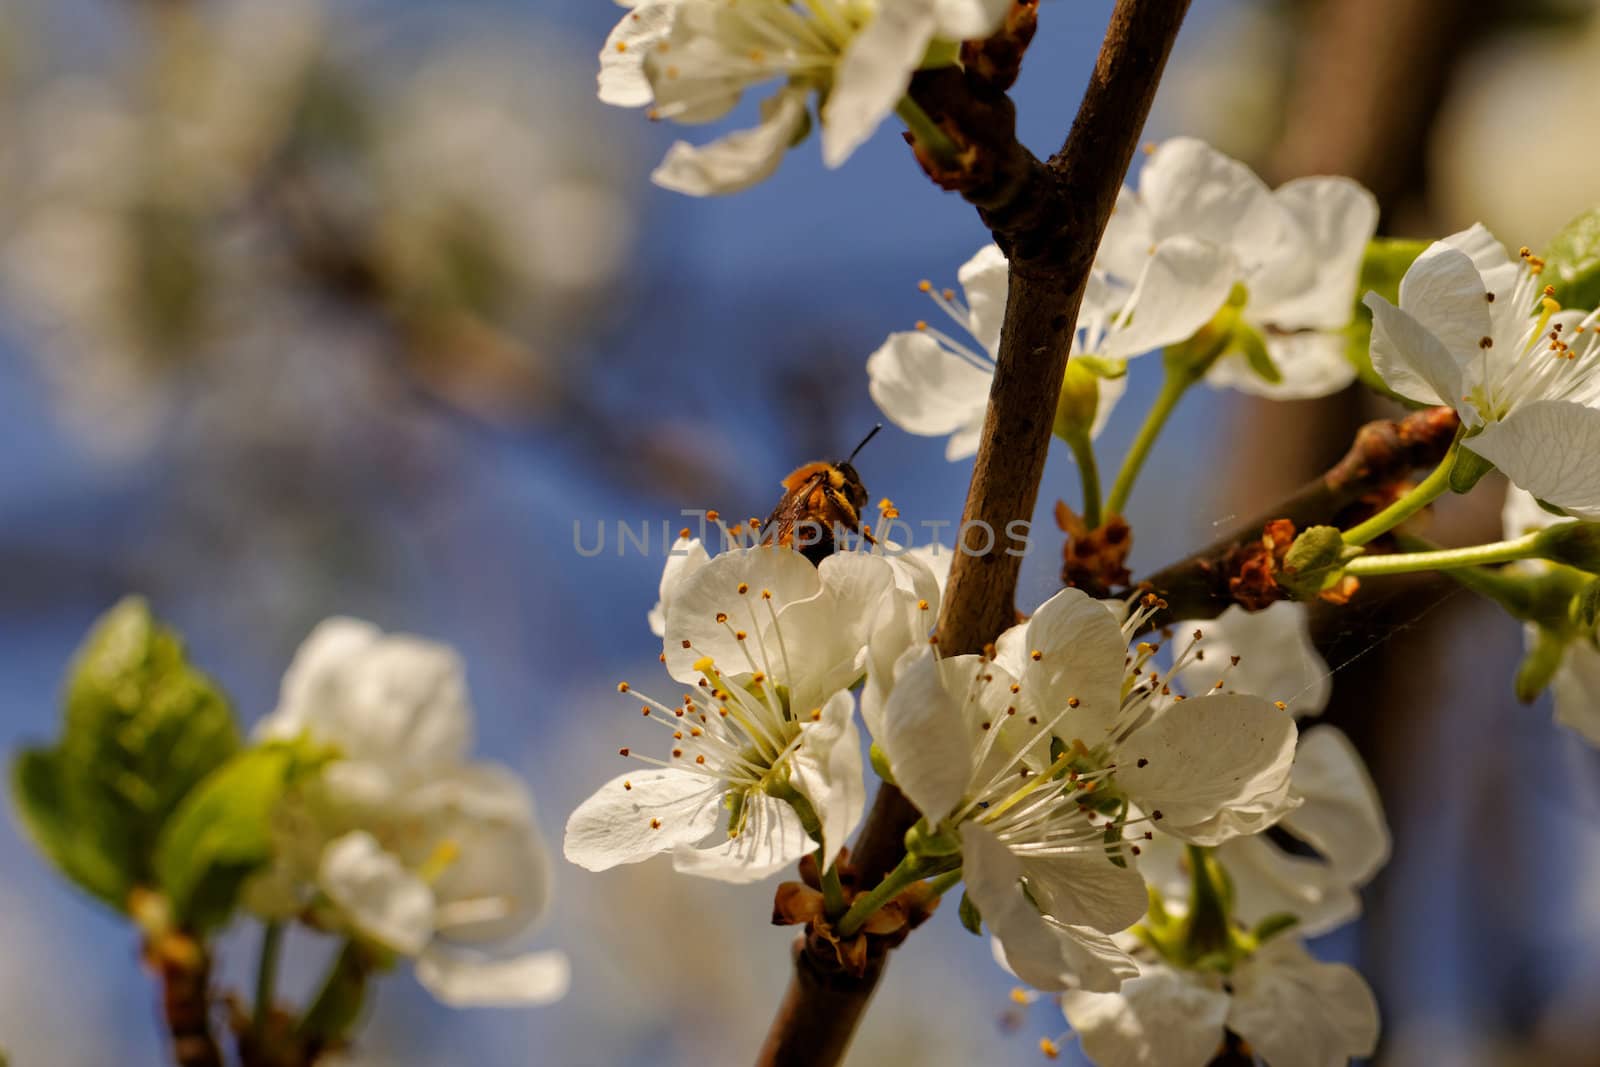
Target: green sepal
{"points": [[1467, 469], [924, 844], [1575, 544], [1101, 366], [1248, 342], [1572, 262], [1273, 925], [1586, 609], [971, 918], [1539, 666], [880, 763], [141, 728]]}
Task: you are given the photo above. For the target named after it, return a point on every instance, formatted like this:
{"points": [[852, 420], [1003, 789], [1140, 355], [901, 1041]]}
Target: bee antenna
{"points": [[870, 435]]}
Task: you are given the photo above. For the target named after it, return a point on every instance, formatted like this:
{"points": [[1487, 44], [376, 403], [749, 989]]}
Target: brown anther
{"points": [[622, 752], [743, 588], [1073, 702], [1141, 762], [627, 784], [700, 760], [722, 617], [1280, 705], [655, 824], [714, 515], [1036, 655]]}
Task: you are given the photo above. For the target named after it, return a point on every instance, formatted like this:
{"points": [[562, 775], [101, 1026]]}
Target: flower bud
{"points": [[1315, 562], [1576, 544]]}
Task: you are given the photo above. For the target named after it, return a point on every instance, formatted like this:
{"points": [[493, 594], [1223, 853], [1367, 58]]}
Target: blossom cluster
{"points": [[1069, 781]]}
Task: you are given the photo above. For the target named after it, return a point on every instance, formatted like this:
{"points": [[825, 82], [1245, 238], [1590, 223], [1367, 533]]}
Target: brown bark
{"points": [[1048, 217], [1384, 451]]}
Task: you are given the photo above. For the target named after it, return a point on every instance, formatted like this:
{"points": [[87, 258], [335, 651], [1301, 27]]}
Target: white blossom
{"points": [[1479, 332], [692, 60], [1044, 759], [930, 382], [767, 645], [400, 841], [1338, 818], [1293, 1010], [1296, 257]]}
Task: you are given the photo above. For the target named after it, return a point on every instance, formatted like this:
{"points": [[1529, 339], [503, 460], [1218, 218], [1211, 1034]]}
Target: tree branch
{"points": [[1048, 218], [1200, 585]]}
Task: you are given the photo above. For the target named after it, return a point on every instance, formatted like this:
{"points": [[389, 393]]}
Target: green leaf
{"points": [[36, 790], [1386, 261], [222, 834], [1572, 262], [141, 728]]}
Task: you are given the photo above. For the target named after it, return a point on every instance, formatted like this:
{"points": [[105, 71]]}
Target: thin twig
{"points": [[1048, 217], [1384, 451]]}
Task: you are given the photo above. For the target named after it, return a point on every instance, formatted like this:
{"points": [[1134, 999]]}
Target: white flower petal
{"points": [[497, 883], [923, 388], [1298, 1012], [1409, 359], [1192, 188], [873, 74], [739, 160], [1086, 889], [1341, 817], [1277, 660], [1576, 689], [1184, 282], [1081, 651], [713, 590], [924, 735], [1548, 447], [1158, 1019], [1046, 955], [376, 894], [827, 771], [986, 281], [686, 556], [1209, 757], [1444, 292], [622, 78], [1337, 217], [1498, 270], [1522, 513], [964, 442], [613, 826], [466, 981], [1312, 363], [1269, 881], [1128, 238], [965, 20], [772, 838]]}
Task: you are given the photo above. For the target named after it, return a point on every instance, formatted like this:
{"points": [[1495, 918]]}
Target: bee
{"points": [[818, 499]]}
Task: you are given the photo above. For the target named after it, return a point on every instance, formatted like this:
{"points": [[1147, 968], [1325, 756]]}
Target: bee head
{"points": [[847, 481]]}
